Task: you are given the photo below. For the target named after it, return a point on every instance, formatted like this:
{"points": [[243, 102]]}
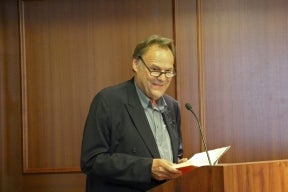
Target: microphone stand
{"points": [[189, 107]]}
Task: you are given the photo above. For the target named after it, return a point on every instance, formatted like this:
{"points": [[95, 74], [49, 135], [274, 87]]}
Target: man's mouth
{"points": [[158, 84]]}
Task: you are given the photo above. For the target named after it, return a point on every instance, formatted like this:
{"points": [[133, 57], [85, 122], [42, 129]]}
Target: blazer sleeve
{"points": [[98, 157]]}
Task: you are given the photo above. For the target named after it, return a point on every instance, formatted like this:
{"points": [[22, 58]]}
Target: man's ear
{"points": [[135, 65]]}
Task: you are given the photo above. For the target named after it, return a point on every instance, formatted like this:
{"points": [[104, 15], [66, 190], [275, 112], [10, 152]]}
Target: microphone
{"points": [[189, 107]]}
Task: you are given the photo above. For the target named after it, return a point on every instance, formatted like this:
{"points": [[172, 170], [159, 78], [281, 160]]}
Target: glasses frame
{"points": [[158, 73]]}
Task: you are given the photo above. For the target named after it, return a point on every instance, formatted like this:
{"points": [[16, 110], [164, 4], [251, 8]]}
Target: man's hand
{"points": [[163, 170]]}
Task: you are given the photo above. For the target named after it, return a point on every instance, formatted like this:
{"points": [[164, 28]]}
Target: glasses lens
{"points": [[155, 73], [170, 74], [158, 73]]}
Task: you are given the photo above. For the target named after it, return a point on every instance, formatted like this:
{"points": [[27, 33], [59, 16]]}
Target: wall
{"points": [[10, 99], [55, 55], [246, 67]]}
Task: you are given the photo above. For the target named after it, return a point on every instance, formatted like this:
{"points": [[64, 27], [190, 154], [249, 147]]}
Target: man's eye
{"points": [[155, 70]]}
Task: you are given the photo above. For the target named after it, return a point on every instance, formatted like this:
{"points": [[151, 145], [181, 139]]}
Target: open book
{"points": [[201, 159]]}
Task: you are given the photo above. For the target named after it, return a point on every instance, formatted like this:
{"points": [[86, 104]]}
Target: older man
{"points": [[132, 133]]}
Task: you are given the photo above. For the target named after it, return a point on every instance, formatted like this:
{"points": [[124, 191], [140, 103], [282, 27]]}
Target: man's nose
{"points": [[162, 76]]}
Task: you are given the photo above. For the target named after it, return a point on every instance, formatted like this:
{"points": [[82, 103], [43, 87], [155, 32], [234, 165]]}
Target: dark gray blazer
{"points": [[118, 145]]}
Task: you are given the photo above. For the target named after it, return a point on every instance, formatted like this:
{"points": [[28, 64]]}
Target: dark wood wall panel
{"points": [[187, 69], [72, 50], [64, 182], [10, 99], [245, 54]]}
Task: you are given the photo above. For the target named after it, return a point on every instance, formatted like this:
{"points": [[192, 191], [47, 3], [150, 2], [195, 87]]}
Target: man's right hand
{"points": [[163, 170]]}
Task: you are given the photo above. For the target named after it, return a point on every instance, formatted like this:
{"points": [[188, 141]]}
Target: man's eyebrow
{"points": [[155, 67]]}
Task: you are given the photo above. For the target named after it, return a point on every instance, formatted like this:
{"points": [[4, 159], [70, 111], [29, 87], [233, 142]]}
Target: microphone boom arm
{"points": [[189, 107]]}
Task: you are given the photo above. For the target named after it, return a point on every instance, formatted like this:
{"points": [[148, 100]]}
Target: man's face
{"points": [[156, 58]]}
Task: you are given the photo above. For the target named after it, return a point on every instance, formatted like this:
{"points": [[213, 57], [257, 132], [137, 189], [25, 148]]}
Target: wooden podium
{"points": [[263, 176]]}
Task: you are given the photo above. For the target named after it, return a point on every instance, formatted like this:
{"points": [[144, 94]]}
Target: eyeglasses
{"points": [[158, 73]]}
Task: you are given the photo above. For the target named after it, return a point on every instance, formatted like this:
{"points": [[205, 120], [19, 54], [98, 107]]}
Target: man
{"points": [[132, 133]]}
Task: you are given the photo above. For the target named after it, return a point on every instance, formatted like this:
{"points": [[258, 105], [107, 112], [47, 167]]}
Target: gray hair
{"points": [[162, 42]]}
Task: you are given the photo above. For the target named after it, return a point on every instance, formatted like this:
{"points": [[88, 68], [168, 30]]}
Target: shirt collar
{"points": [[146, 103]]}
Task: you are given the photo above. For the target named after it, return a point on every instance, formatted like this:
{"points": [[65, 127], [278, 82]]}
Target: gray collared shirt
{"points": [[157, 124]]}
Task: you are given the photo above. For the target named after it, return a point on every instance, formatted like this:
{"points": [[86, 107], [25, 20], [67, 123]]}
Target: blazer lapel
{"points": [[140, 121]]}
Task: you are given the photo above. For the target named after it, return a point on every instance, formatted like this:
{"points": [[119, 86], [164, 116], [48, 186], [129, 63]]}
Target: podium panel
{"points": [[263, 176]]}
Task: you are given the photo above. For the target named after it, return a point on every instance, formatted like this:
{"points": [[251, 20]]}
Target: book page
{"points": [[201, 159]]}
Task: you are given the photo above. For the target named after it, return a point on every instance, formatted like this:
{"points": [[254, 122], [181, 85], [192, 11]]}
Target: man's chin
{"points": [[157, 95]]}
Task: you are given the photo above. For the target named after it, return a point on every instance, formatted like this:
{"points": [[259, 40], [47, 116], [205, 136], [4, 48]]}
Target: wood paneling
{"points": [[187, 70], [245, 58], [72, 49], [10, 99], [64, 182], [231, 66], [264, 176]]}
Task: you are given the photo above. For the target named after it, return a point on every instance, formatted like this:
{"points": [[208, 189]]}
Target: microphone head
{"points": [[188, 106]]}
